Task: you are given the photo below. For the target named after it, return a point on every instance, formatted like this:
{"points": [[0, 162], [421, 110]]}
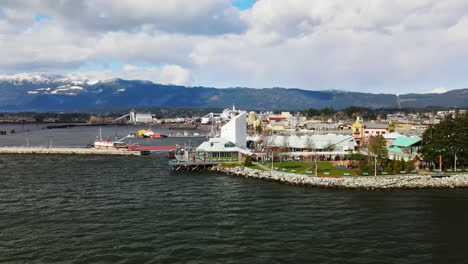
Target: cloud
{"points": [[169, 74], [175, 16], [174, 74], [440, 90], [374, 46]]}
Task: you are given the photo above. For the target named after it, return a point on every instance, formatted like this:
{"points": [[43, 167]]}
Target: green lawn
{"points": [[323, 166]]}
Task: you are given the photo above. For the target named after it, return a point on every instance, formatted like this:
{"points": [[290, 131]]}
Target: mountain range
{"points": [[48, 92]]}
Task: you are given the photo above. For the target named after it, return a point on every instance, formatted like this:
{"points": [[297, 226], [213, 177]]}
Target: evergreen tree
{"points": [[448, 138], [248, 161]]}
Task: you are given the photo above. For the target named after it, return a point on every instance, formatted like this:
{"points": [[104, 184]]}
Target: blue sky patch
{"points": [[244, 4], [42, 17]]}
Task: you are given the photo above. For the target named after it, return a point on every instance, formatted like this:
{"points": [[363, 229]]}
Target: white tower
{"points": [[236, 130]]}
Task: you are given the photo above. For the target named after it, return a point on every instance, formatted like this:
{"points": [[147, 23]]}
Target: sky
{"points": [[377, 46]]}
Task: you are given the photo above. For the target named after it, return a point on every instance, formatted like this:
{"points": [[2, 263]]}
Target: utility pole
{"points": [[316, 167], [440, 162], [375, 166], [455, 162]]}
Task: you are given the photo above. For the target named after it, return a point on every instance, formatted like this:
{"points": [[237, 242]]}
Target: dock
{"points": [[68, 151], [191, 166]]}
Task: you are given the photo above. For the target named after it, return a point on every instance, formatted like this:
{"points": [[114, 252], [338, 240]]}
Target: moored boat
{"points": [[149, 134]]}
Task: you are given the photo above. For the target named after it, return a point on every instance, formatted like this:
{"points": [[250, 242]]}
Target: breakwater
{"points": [[365, 183], [68, 151]]}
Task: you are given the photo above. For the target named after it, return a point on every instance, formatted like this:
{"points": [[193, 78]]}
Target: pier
{"points": [[69, 151], [192, 166]]}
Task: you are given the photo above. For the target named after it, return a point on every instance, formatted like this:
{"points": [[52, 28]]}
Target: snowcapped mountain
{"points": [[55, 92]]}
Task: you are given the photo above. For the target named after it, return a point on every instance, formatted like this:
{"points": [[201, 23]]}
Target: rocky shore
{"points": [[365, 183]]}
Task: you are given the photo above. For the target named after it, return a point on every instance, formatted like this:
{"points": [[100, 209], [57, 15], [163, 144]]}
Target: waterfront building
{"points": [[408, 145], [390, 138], [315, 143], [232, 143]]}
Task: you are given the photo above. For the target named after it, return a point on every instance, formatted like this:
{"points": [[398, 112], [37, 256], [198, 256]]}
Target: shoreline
{"points": [[65, 151], [353, 183]]}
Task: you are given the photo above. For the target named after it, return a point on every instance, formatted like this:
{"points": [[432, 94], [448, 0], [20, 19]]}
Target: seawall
{"points": [[364, 183], [67, 151]]}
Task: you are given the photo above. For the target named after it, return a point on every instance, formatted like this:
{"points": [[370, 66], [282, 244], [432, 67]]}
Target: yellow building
{"points": [[358, 132], [405, 127]]}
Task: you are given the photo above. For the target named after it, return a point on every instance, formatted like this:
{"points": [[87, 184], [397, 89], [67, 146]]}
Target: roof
{"points": [[405, 141], [392, 135], [396, 150], [315, 141], [374, 125], [218, 145]]}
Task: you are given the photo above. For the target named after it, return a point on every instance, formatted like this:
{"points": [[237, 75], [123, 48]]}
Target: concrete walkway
{"points": [[262, 166]]}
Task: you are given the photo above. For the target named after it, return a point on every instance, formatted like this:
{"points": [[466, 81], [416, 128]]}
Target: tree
{"points": [[259, 129], [362, 160], [284, 148], [310, 145], [448, 138], [377, 148], [248, 161]]}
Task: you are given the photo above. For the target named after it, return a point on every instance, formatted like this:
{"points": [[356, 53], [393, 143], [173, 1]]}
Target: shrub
{"points": [[248, 161]]}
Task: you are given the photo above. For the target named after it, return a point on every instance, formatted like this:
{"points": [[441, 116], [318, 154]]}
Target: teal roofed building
{"points": [[407, 144], [396, 150]]}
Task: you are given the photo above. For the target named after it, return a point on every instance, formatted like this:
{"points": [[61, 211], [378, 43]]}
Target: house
{"points": [[390, 138], [408, 145], [363, 131], [372, 129]]}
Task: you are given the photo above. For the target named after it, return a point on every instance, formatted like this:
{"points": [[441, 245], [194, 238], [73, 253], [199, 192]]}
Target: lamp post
{"points": [[316, 166], [455, 163], [375, 165]]}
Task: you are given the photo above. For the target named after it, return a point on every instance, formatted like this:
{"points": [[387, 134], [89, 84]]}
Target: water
{"points": [[85, 209]]}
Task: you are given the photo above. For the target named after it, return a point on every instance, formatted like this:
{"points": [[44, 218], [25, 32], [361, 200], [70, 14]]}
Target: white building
{"points": [[230, 144], [320, 143], [235, 130], [144, 118]]}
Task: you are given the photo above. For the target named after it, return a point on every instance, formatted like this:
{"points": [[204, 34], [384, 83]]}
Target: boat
{"points": [[149, 134], [100, 143], [107, 144]]}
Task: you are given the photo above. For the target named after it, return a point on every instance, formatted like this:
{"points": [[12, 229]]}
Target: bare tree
{"points": [[284, 148], [310, 145]]}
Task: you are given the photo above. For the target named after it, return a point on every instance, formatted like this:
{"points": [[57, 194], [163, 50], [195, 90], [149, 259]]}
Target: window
{"points": [[367, 132], [383, 133]]}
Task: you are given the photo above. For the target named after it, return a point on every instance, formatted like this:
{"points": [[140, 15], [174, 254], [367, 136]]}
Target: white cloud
{"points": [[440, 90], [169, 74], [378, 46], [190, 17], [174, 74]]}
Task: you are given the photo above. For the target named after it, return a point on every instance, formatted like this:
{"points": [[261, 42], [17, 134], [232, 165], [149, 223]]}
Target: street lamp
{"points": [[375, 166]]}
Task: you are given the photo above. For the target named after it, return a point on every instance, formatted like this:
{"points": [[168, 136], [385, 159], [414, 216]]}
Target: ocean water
{"points": [[87, 209]]}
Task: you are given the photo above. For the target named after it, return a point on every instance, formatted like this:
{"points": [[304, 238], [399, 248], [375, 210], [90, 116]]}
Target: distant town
{"points": [[351, 142]]}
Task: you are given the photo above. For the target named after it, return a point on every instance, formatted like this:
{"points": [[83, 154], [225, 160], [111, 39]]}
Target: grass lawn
{"points": [[323, 166]]}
